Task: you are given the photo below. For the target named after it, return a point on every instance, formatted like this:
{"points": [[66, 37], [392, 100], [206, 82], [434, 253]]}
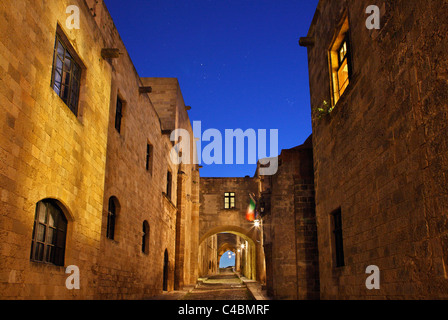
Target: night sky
{"points": [[238, 62]]}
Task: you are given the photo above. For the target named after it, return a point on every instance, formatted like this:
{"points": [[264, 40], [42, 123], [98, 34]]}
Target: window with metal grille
{"points": [[49, 233], [118, 114], [229, 200], [66, 75], [337, 236]]}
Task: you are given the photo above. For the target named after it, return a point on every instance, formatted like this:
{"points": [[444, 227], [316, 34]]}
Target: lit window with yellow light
{"points": [[340, 62]]}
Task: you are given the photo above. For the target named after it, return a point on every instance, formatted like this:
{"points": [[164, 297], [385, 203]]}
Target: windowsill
{"points": [[43, 264], [112, 241], [345, 96], [337, 271]]}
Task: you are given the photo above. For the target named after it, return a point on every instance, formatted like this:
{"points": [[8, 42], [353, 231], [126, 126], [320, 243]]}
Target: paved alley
{"points": [[224, 286]]}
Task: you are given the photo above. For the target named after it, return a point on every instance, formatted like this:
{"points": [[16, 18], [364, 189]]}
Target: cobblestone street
{"points": [[224, 286]]}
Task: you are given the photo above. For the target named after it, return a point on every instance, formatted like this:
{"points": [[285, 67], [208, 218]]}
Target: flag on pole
{"points": [[250, 214]]}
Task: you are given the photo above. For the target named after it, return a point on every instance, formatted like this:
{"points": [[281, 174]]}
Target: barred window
{"points": [[66, 75], [49, 233]]}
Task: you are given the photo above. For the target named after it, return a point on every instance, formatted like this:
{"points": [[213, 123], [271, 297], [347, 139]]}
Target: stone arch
{"points": [[50, 215], [62, 205], [242, 232], [250, 253]]}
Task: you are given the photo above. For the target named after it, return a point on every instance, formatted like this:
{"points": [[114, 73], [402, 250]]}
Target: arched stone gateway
{"points": [[249, 257], [218, 220]]}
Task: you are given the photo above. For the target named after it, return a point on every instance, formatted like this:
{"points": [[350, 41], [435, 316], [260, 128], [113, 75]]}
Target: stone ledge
{"points": [[255, 289]]}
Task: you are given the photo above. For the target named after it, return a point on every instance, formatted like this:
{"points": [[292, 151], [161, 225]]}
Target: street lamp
{"points": [[242, 246], [256, 223]]}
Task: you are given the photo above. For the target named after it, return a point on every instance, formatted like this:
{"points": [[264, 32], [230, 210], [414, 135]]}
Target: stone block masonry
{"points": [[81, 160], [46, 150], [380, 156]]}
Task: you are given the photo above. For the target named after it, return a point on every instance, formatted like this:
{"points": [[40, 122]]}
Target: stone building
{"points": [[223, 206], [286, 204], [86, 174], [279, 248], [380, 164], [53, 149]]}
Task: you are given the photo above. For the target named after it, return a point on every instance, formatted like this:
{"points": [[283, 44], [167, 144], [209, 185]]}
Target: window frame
{"points": [[169, 184], [111, 217], [336, 64], [341, 65], [229, 197], [56, 244], [74, 62]]}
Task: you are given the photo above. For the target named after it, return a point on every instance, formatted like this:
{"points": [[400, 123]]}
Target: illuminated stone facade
{"points": [[369, 187], [80, 160], [380, 155]]}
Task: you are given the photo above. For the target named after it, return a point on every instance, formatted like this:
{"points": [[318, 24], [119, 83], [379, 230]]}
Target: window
{"points": [[49, 233], [149, 157], [66, 75], [111, 217], [145, 237], [337, 236], [118, 114], [229, 200], [343, 78], [169, 180], [340, 62], [165, 270]]}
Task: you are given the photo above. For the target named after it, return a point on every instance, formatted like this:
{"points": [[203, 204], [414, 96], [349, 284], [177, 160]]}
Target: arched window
{"points": [[111, 217], [49, 233], [145, 237]]}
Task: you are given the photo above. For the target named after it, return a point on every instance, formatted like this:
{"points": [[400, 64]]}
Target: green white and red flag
{"points": [[250, 214]]}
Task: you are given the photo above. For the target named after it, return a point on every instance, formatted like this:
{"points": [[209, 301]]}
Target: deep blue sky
{"points": [[238, 62]]}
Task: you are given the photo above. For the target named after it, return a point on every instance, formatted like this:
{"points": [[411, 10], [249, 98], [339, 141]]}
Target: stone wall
{"points": [[290, 233], [82, 161], [48, 152], [380, 156], [215, 218], [208, 261]]}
